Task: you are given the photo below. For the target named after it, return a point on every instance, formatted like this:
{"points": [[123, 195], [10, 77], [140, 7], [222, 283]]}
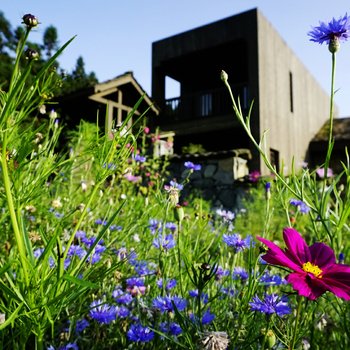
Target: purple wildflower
{"points": [[238, 243], [192, 166], [102, 313], [139, 333], [271, 304], [154, 225], [170, 284], [241, 273], [171, 226], [69, 346], [169, 303], [173, 185], [122, 297], [301, 206], [166, 242], [81, 325], [333, 30], [170, 328], [194, 294], [138, 158], [76, 250]]}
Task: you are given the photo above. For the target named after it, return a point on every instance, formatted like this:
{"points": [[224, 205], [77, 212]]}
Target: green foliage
{"points": [[193, 149]]}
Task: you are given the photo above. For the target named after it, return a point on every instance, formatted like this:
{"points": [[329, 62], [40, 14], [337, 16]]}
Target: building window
{"points": [[205, 105], [275, 159], [291, 97]]}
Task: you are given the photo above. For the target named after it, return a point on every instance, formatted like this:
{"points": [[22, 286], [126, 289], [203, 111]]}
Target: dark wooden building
{"points": [[288, 102], [108, 102]]}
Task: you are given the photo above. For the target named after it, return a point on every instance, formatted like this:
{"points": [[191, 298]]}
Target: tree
{"points": [[9, 40], [78, 79], [50, 40]]}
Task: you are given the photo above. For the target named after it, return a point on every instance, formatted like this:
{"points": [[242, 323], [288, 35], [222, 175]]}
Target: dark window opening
{"points": [[274, 159], [291, 98]]}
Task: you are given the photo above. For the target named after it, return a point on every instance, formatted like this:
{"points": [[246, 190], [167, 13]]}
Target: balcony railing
{"points": [[204, 104]]}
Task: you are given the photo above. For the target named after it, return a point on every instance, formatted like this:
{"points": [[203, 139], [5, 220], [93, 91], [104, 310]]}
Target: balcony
{"points": [[203, 104]]}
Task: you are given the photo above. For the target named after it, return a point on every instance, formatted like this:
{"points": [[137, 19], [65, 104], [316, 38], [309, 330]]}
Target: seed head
{"points": [[31, 54], [30, 20]]}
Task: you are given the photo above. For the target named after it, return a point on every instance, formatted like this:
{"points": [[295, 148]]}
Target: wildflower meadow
{"points": [[101, 250]]}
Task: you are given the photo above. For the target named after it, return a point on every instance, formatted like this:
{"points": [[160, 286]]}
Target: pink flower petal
{"points": [[306, 285], [322, 255], [337, 280], [276, 256], [298, 250]]}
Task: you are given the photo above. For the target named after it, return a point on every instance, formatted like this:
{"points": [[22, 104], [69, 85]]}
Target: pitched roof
{"points": [[341, 130], [112, 85]]}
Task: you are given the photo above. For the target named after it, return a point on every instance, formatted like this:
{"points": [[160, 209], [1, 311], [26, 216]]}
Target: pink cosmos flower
{"points": [[315, 270], [320, 173]]}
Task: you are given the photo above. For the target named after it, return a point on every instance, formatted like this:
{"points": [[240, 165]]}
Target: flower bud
{"points": [[270, 337], [224, 76], [31, 54], [30, 20], [334, 45], [179, 213]]}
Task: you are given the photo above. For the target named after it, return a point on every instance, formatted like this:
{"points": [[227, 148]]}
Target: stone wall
{"points": [[217, 181]]}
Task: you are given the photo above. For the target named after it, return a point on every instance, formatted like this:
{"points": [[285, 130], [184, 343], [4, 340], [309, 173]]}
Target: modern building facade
{"points": [[288, 102]]}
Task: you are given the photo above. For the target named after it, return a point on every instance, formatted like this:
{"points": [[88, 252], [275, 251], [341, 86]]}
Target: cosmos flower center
{"points": [[314, 269]]}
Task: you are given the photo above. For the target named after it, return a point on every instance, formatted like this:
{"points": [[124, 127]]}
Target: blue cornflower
{"points": [[81, 325], [154, 225], [69, 346], [170, 284], [192, 166], [138, 158], [167, 303], [139, 333], [207, 318], [221, 272], [272, 304], [166, 242], [271, 280], [173, 185], [115, 228], [101, 222], [122, 297], [194, 294], [142, 268], [80, 234], [102, 313], [240, 272], [77, 250], [238, 243], [170, 328], [122, 311], [301, 206], [333, 30], [171, 226]]}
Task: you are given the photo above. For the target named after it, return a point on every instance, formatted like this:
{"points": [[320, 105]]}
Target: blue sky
{"points": [[116, 36]]}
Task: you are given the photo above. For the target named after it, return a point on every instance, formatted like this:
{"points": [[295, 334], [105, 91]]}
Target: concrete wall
{"points": [[289, 131]]}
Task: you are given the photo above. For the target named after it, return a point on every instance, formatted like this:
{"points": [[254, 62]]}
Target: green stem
{"points": [[296, 325], [11, 207], [331, 115], [266, 332]]}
